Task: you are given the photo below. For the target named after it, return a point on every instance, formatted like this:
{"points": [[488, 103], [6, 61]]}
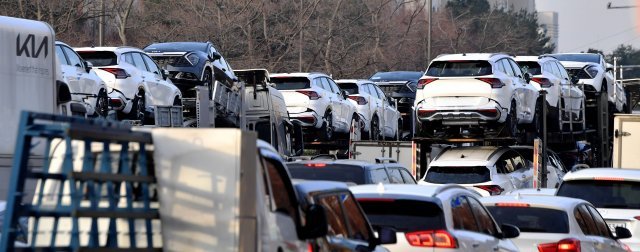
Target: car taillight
{"points": [[492, 189], [544, 82], [637, 218], [494, 82], [307, 119], [512, 204], [311, 94], [489, 112], [359, 99], [433, 239], [425, 112], [309, 247], [564, 245], [118, 72], [116, 103], [316, 165], [424, 82]]}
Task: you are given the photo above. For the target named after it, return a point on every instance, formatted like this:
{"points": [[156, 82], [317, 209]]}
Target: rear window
{"points": [[404, 215], [532, 219], [290, 83], [458, 174], [603, 193], [100, 58], [332, 172], [459, 68], [396, 76], [532, 68], [352, 88]]}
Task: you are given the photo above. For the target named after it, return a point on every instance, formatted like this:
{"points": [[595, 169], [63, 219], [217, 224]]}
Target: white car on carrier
{"points": [[135, 82], [476, 93], [380, 116], [317, 103]]}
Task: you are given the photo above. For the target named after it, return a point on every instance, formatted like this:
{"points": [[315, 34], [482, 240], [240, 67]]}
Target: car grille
{"points": [[582, 74], [176, 61], [389, 89]]}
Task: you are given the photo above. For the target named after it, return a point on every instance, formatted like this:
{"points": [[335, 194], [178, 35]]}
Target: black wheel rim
{"points": [[374, 129], [141, 107], [513, 122], [102, 104], [329, 129]]}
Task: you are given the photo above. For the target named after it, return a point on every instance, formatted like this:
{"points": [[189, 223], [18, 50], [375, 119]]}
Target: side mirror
{"points": [[386, 235], [165, 74], [622, 233], [88, 66], [509, 231], [214, 56], [527, 77], [316, 222], [574, 79]]}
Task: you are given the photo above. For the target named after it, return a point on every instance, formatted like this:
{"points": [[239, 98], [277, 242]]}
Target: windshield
{"points": [[532, 219], [331, 172], [595, 58], [457, 174], [396, 76], [459, 68], [404, 215], [603, 193], [290, 83], [352, 88], [532, 68], [177, 47], [100, 58]]}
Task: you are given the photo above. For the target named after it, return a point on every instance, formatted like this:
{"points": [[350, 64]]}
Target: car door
{"points": [[161, 89], [375, 104], [588, 227], [605, 235], [365, 91], [394, 175], [389, 114], [147, 77], [334, 101], [516, 87], [466, 228], [530, 94], [346, 108], [488, 227], [68, 71], [338, 236]]}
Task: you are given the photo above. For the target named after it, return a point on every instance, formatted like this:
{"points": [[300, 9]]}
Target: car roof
{"points": [[477, 154], [604, 174], [542, 201], [305, 187], [470, 56], [356, 81], [404, 191]]}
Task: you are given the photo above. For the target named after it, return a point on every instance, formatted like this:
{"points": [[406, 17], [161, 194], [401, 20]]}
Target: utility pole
{"points": [[301, 41], [101, 24], [429, 31]]}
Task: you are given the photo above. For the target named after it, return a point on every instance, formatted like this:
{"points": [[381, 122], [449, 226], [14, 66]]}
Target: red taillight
{"points": [[309, 247], [489, 112], [359, 99], [307, 119], [316, 165], [637, 218], [312, 94], [425, 112], [564, 245], [494, 82], [424, 82], [492, 189], [544, 82], [434, 239], [608, 178], [116, 103], [512, 204], [118, 72]]}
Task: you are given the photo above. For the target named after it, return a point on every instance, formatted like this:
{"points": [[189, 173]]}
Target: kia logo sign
{"points": [[28, 46]]}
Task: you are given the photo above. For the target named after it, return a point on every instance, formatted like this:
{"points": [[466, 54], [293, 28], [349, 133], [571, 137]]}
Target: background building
{"points": [[548, 21]]}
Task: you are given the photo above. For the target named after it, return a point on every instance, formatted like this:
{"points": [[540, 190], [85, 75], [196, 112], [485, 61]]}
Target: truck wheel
{"points": [[375, 129], [327, 127], [102, 104], [510, 128], [208, 81]]}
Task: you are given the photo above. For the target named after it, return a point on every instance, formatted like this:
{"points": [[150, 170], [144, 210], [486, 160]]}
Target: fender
{"points": [[63, 92]]}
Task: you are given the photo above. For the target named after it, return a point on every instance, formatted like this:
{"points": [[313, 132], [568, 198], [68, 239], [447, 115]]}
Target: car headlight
{"points": [[193, 58], [593, 71]]}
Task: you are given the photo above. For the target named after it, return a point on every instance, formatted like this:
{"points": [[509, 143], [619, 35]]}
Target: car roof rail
{"points": [[448, 187], [502, 53], [546, 55], [381, 160], [325, 157]]}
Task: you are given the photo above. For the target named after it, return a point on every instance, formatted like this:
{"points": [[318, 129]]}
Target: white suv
{"points": [[85, 86], [564, 99], [434, 218], [476, 91], [381, 118], [316, 102], [135, 82], [614, 192]]}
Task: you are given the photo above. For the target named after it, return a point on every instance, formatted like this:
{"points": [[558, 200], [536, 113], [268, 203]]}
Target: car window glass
{"points": [[563, 72], [152, 65], [281, 195], [379, 176], [591, 225], [507, 67], [74, 59], [335, 217], [500, 67], [60, 55], [603, 229], [138, 61], [505, 163], [372, 91], [518, 162], [358, 225], [325, 84], [128, 58], [380, 93], [394, 176], [485, 223], [555, 69], [556, 162], [516, 68], [464, 219], [581, 221], [408, 179], [333, 85]]}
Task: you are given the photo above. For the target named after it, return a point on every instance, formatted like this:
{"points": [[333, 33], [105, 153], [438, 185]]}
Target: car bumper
{"points": [[309, 119], [489, 112]]}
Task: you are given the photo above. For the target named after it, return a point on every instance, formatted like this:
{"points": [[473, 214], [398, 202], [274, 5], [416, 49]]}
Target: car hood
{"points": [[575, 64]]}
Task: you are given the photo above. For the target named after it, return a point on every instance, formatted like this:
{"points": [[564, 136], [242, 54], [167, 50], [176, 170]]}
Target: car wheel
{"points": [[140, 107], [327, 129], [510, 128], [102, 104], [208, 81], [375, 129]]}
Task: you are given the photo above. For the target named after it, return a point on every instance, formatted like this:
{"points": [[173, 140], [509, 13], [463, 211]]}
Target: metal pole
{"points": [[300, 49], [543, 171], [429, 32], [101, 24]]}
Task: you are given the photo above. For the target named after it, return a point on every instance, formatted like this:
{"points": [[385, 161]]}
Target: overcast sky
{"points": [[589, 24]]}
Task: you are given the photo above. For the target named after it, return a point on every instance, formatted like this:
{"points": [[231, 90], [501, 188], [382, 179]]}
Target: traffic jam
{"points": [[168, 148]]}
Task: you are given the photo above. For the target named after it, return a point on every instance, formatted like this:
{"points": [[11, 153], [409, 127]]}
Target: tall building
{"points": [[548, 21]]}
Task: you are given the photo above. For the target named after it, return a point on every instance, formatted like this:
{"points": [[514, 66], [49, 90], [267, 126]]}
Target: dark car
{"points": [[351, 172], [401, 86], [192, 63]]}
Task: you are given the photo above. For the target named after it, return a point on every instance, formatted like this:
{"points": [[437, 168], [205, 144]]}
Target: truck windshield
{"points": [[290, 83], [100, 58], [404, 215], [581, 57], [532, 219], [397, 76], [331, 172], [459, 68], [603, 193], [457, 174], [532, 67], [352, 88]]}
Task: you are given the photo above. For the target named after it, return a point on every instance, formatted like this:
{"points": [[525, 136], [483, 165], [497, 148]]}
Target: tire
{"points": [[208, 81], [510, 128], [375, 129], [327, 127], [355, 132], [101, 109], [140, 109]]}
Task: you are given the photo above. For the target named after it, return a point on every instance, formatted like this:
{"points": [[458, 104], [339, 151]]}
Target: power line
{"points": [[607, 37]]}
